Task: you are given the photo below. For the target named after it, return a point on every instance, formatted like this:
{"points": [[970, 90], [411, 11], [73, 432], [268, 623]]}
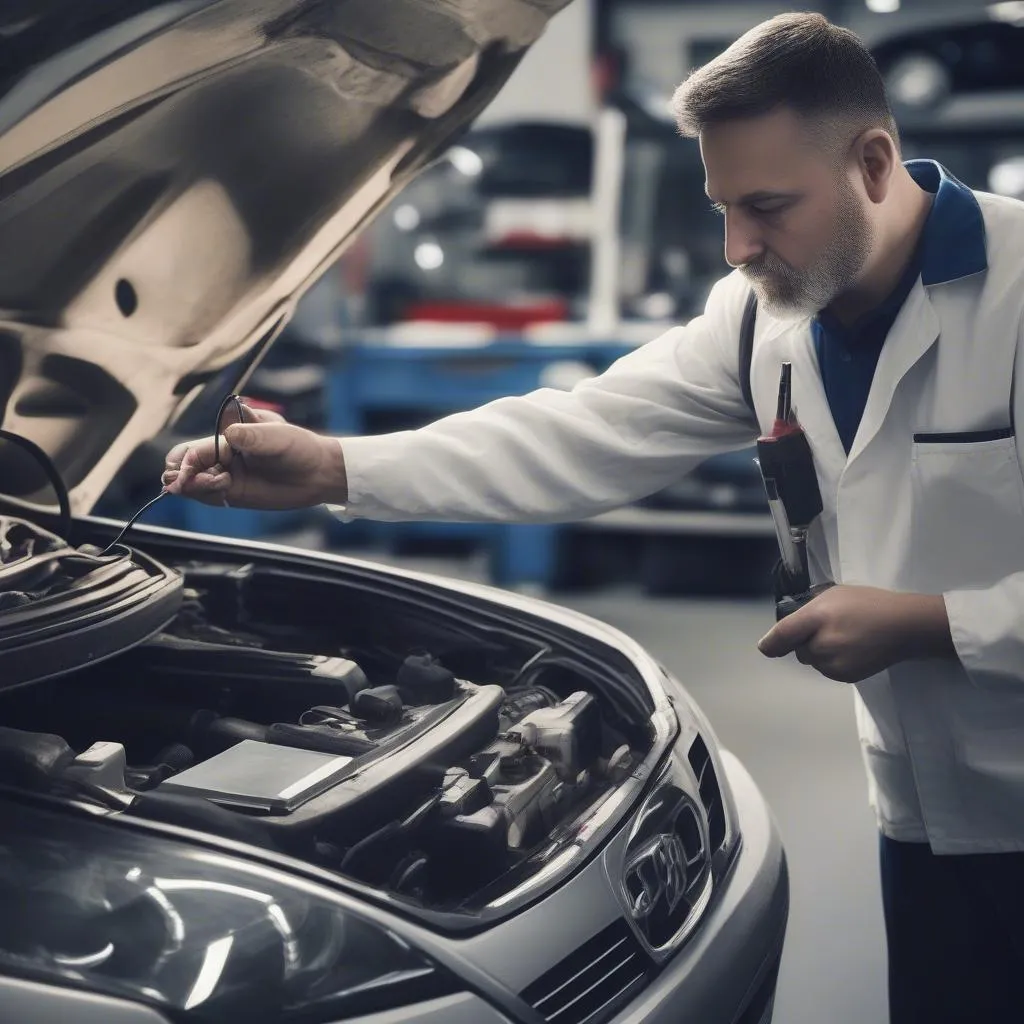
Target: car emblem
{"points": [[665, 877], [656, 877]]}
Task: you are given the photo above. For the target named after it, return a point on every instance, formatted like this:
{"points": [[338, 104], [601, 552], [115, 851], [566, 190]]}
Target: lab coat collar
{"points": [[914, 332], [952, 247], [953, 240]]}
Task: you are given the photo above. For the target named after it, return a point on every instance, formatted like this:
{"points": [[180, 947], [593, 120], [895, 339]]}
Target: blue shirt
{"points": [[848, 354], [952, 244]]}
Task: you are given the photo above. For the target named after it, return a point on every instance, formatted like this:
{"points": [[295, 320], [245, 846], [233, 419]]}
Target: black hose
{"points": [[208, 730], [52, 473]]}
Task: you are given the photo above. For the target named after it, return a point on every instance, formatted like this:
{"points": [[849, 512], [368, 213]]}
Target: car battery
{"points": [[261, 777]]}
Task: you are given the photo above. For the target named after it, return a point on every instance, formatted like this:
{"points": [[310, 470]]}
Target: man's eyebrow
{"points": [[762, 196]]}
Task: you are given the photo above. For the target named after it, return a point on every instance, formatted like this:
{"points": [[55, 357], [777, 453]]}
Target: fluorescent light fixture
{"points": [[883, 6]]}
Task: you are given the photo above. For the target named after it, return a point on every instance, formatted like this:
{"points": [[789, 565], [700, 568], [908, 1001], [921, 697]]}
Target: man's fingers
{"points": [[249, 415], [188, 466], [199, 453], [260, 438], [204, 482], [212, 480], [264, 416], [786, 636], [804, 655], [173, 461]]}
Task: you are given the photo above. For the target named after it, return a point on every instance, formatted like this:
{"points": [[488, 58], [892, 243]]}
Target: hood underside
{"points": [[174, 175]]}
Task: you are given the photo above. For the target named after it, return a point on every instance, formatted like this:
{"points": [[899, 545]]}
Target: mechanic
{"points": [[896, 293]]}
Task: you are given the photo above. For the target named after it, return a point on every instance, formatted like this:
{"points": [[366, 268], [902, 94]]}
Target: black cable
{"points": [[240, 411], [53, 475], [127, 526]]}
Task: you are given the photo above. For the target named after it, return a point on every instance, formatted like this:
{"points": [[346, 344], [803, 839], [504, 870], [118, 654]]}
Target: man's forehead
{"points": [[768, 154]]}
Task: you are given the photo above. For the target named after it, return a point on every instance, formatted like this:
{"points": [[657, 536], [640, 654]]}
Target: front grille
{"points": [[710, 792], [589, 985]]}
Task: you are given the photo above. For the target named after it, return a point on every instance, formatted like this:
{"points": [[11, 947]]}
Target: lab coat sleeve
{"points": [[555, 455], [987, 625]]}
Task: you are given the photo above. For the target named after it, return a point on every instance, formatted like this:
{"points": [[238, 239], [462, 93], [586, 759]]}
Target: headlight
{"points": [[198, 934]]}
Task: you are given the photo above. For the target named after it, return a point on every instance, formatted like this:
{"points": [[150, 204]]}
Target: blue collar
{"points": [[953, 240]]}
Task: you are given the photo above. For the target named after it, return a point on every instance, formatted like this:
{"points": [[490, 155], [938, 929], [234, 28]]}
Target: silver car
{"points": [[245, 783]]}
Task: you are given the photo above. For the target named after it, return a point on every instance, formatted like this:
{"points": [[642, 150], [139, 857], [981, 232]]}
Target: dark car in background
{"points": [[925, 67], [240, 782], [958, 94]]}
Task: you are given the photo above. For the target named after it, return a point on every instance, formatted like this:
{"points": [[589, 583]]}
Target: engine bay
{"points": [[380, 737]]}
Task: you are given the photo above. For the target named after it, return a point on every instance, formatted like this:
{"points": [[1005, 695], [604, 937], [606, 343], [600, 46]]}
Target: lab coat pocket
{"points": [[968, 510]]}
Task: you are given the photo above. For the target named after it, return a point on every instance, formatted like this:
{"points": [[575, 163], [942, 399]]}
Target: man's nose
{"points": [[743, 242]]}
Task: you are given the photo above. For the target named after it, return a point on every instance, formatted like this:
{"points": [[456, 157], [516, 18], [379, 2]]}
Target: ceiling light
{"points": [[1011, 11], [407, 217], [1007, 178], [917, 80], [428, 256], [465, 161], [883, 6]]}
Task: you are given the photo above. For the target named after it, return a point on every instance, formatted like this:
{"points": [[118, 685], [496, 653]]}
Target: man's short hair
{"points": [[822, 72]]}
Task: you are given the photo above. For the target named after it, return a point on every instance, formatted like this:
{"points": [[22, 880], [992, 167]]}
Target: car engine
{"points": [[381, 762]]}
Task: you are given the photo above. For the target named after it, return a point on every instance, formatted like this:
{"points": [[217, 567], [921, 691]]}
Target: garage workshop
{"points": [[510, 511]]}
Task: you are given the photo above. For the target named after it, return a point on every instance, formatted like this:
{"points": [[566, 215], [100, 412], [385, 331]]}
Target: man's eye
{"points": [[768, 211]]}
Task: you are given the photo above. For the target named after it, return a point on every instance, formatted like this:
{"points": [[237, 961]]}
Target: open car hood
{"points": [[174, 175]]}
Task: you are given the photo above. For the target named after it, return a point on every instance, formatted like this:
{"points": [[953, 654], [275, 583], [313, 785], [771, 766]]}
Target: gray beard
{"points": [[786, 293]]}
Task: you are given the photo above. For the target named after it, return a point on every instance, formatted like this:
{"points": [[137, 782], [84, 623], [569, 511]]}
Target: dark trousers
{"points": [[955, 930]]}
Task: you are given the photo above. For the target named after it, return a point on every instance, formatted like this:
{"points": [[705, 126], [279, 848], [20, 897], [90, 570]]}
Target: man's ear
{"points": [[876, 159]]}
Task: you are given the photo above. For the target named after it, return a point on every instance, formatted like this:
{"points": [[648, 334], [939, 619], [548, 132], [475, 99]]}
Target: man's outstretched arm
{"points": [[543, 457], [561, 455]]}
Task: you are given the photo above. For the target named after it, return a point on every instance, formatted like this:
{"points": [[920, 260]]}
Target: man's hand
{"points": [[849, 633], [277, 466]]}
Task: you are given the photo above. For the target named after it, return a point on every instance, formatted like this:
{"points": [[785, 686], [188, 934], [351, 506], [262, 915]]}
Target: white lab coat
{"points": [[943, 742]]}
